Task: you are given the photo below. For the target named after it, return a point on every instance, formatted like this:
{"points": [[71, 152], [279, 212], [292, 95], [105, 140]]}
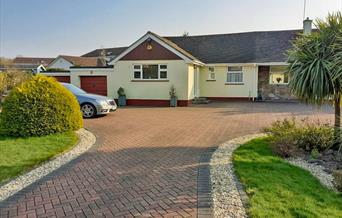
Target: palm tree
{"points": [[315, 67]]}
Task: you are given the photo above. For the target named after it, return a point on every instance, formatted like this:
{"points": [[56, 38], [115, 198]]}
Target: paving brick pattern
{"points": [[146, 162]]}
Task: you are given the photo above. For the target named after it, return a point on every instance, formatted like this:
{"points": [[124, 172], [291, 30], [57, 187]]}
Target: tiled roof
{"points": [[84, 61], [250, 47], [107, 52], [32, 61]]}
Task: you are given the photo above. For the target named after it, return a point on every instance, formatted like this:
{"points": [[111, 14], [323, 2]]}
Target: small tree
{"points": [[2, 84], [315, 67], [12, 76]]}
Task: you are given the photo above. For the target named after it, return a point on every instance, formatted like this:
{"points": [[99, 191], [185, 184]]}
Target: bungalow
{"points": [[221, 67], [60, 66], [29, 64]]}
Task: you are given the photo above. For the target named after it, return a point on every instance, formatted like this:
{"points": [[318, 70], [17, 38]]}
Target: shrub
{"points": [[315, 136], [40, 106], [55, 70], [121, 92], [284, 146], [16, 77], [172, 92], [338, 179], [290, 136]]}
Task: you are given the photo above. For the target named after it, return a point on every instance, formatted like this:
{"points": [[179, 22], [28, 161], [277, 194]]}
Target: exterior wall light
{"points": [[149, 44]]}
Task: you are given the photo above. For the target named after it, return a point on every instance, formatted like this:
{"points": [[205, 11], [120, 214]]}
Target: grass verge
{"points": [[278, 189], [18, 155]]}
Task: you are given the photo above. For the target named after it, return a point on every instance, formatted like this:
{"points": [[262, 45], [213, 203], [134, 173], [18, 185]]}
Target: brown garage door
{"points": [[63, 79], [94, 84]]}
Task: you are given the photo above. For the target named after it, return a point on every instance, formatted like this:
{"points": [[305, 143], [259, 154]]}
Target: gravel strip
{"points": [[86, 140], [316, 170], [228, 195]]}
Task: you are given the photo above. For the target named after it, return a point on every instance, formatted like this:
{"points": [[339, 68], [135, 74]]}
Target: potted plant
{"points": [[278, 79], [121, 97], [173, 97]]}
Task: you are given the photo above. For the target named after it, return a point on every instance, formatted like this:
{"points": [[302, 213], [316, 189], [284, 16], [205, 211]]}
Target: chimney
{"points": [[307, 26]]}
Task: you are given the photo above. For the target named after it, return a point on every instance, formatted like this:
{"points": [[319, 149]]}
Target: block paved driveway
{"points": [[145, 163]]}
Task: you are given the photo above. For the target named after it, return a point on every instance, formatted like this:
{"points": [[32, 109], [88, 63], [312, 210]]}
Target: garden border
{"points": [[86, 141], [228, 196]]}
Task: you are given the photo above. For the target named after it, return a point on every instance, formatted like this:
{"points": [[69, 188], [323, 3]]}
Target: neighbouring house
{"points": [[109, 53], [60, 66], [247, 66], [30, 64]]}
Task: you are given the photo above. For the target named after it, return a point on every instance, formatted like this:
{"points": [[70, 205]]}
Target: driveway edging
{"points": [[228, 196], [86, 141]]}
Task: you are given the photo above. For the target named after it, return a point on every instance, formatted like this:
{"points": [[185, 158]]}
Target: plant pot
{"points": [[122, 101], [173, 102]]}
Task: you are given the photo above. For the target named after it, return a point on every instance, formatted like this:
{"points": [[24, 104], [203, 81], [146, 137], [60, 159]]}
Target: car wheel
{"points": [[88, 110]]}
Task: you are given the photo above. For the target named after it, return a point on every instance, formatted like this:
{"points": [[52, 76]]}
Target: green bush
{"points": [[39, 106], [121, 92], [289, 136]]}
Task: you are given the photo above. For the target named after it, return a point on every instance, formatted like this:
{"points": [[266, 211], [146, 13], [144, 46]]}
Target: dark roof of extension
{"points": [[249, 47], [108, 52]]}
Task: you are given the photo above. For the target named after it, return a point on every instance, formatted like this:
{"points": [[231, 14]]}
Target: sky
{"points": [[47, 28]]}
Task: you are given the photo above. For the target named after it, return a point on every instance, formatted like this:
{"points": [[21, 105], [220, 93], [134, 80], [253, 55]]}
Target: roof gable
{"points": [[166, 44], [150, 50]]}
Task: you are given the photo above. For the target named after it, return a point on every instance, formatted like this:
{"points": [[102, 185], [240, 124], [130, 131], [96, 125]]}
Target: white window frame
{"points": [[235, 72], [137, 70], [211, 74], [162, 70], [141, 71], [280, 83]]}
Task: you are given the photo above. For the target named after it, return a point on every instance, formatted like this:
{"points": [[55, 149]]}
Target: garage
{"points": [[63, 79], [94, 84]]}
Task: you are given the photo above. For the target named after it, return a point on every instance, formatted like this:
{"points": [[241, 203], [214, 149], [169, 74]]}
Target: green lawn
{"points": [[278, 189], [21, 154]]}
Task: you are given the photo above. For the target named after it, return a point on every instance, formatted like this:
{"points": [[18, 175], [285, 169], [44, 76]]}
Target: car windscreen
{"points": [[75, 90]]}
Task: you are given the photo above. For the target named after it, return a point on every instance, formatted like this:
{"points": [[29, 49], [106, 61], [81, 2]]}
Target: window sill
{"points": [[279, 84], [149, 80], [238, 84], [211, 80]]}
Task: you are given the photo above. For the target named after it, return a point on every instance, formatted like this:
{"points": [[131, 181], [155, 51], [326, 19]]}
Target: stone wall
{"points": [[271, 91]]}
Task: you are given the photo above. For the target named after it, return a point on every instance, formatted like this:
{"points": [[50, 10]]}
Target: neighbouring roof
{"points": [[249, 47], [112, 52], [32, 61], [85, 61]]}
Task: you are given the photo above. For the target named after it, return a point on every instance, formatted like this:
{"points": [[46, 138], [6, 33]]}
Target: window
{"points": [[163, 71], [211, 75], [150, 71], [278, 75], [235, 75], [137, 71]]}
